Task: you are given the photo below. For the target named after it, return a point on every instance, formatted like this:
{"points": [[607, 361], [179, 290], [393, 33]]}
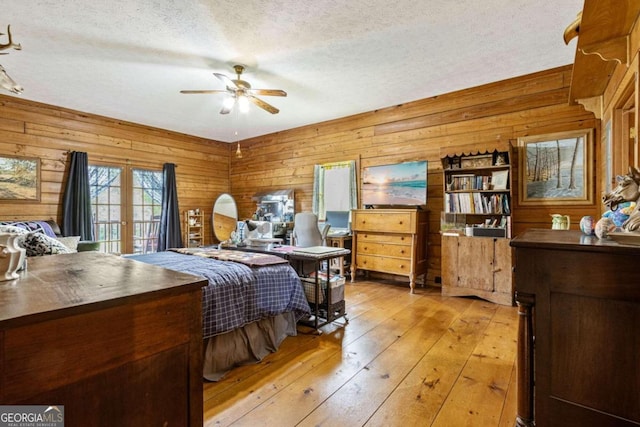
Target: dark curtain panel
{"points": [[169, 236], [76, 208]]}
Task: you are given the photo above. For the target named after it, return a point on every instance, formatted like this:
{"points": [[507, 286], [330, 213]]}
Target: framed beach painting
{"points": [[556, 169], [395, 184], [19, 179]]}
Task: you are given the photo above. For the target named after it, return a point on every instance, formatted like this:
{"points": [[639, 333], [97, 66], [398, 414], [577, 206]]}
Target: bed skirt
{"points": [[246, 345]]}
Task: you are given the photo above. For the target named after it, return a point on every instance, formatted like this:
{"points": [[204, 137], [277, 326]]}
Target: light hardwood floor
{"points": [[402, 360]]}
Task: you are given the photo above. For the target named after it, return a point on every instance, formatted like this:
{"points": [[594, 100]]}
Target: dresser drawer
{"points": [[395, 239], [383, 249], [384, 264], [370, 220], [45, 356]]}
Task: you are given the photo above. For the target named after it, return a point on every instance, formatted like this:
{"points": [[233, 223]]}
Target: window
{"points": [[116, 215], [105, 187], [334, 187], [147, 206], [625, 151]]}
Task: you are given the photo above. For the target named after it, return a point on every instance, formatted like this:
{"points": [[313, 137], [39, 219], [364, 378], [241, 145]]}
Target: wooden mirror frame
{"points": [[224, 219]]}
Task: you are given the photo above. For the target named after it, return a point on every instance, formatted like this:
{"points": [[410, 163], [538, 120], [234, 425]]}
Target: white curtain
{"points": [[334, 187]]}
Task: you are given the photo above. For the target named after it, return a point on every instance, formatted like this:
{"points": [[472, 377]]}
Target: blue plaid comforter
{"points": [[237, 294]]}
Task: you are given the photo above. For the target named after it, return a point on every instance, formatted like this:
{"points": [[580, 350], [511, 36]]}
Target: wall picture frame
{"points": [[500, 180], [20, 179], [556, 168]]}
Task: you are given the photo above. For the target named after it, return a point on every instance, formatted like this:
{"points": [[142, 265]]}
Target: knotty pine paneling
{"points": [[489, 115], [37, 130], [493, 114]]}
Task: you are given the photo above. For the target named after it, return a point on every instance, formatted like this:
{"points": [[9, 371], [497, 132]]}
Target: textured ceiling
{"points": [[128, 59]]}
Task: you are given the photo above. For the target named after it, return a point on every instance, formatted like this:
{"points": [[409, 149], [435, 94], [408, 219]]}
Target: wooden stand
{"points": [[115, 341], [579, 302], [193, 229], [478, 266], [390, 241], [343, 242], [477, 190]]}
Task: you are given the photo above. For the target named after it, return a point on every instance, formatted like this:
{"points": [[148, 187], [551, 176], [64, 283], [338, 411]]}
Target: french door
{"points": [[126, 207]]}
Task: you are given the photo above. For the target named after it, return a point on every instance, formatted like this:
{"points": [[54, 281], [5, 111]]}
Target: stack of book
{"points": [[497, 203]]}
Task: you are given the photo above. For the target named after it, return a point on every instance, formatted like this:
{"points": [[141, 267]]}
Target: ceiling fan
{"points": [[240, 92]]}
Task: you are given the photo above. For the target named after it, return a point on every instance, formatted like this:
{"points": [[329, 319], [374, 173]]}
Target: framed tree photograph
{"points": [[19, 179], [556, 169]]}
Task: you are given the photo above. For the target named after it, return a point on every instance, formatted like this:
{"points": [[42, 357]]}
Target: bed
{"points": [[252, 303]]}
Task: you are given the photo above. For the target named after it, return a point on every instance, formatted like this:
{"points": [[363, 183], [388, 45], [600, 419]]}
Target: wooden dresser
{"points": [[479, 266], [578, 335], [117, 342], [390, 241]]}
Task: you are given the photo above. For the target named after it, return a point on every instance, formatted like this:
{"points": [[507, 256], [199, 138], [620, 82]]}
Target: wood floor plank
{"points": [[243, 400], [376, 298], [289, 349], [509, 410], [403, 359], [427, 386], [360, 397], [292, 404], [478, 396]]}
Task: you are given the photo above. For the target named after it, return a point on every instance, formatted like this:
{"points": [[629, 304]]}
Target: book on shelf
{"points": [[468, 182], [477, 203]]}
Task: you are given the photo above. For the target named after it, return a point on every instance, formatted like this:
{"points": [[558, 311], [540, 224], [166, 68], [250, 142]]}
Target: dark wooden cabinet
{"points": [[579, 331], [117, 342]]}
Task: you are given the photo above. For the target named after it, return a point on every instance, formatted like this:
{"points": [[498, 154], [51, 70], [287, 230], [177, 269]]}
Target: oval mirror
{"points": [[225, 217]]}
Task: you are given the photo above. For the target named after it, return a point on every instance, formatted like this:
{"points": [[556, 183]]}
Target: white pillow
{"points": [[70, 242], [37, 244], [13, 229]]}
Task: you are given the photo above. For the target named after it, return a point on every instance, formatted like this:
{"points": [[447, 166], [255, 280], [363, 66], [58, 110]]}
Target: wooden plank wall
{"points": [[31, 129], [494, 114], [484, 116]]}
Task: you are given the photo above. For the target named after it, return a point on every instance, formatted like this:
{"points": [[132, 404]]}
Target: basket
{"points": [[336, 287]]}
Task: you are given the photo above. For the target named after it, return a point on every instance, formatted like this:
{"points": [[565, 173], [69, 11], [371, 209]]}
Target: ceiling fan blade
{"points": [[260, 103], [226, 80], [203, 91], [267, 92]]}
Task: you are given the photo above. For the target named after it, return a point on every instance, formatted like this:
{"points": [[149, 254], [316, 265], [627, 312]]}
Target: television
{"points": [[339, 221], [399, 184]]}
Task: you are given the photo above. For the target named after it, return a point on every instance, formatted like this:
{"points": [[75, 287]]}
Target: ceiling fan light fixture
{"points": [[228, 102], [240, 92], [243, 104]]}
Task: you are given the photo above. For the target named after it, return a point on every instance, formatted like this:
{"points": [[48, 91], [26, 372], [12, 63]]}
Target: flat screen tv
{"points": [[400, 184]]}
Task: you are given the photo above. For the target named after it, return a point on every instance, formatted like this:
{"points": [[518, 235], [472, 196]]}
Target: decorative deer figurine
{"points": [[9, 45], [7, 82]]}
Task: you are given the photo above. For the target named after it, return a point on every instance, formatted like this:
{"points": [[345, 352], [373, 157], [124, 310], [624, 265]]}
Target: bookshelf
{"points": [[476, 226], [477, 188], [193, 234]]}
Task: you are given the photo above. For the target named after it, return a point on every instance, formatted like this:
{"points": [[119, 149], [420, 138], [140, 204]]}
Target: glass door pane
{"points": [[105, 186], [146, 208]]}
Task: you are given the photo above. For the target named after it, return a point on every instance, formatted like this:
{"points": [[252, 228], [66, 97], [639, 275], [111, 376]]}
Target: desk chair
{"points": [[306, 231]]}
